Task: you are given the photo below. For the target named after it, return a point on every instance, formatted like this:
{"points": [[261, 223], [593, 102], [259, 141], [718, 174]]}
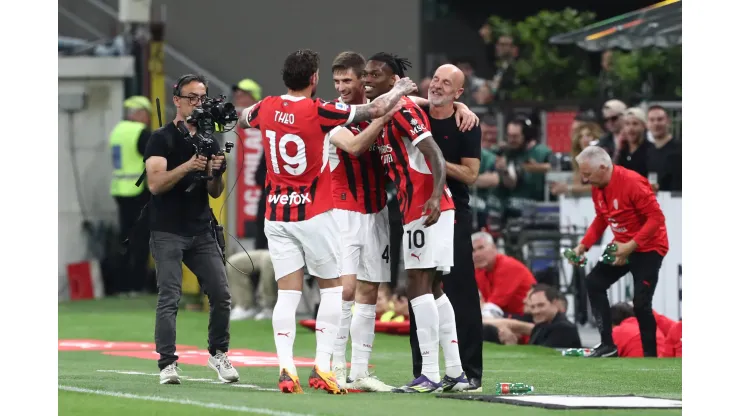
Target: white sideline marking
{"points": [[123, 395], [203, 380]]}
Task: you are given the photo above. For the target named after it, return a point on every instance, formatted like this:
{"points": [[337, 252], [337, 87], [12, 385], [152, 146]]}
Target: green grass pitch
{"points": [[91, 383]]}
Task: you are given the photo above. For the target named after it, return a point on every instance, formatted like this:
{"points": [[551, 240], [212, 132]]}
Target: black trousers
{"points": [[135, 264], [462, 290], [644, 268]]}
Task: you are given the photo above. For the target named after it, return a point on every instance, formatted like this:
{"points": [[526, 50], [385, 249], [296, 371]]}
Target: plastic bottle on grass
{"points": [[577, 352], [513, 388]]}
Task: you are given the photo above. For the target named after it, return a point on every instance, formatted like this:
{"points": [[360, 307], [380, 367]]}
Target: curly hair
{"points": [[298, 69]]}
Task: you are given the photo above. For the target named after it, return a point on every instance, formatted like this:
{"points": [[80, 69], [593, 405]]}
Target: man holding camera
{"points": [[182, 232]]}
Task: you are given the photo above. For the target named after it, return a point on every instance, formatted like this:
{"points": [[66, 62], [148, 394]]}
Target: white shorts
{"points": [[432, 247], [366, 245], [315, 243]]}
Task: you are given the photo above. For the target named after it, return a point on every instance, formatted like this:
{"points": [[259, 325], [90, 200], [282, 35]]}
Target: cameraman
{"points": [[181, 231]]}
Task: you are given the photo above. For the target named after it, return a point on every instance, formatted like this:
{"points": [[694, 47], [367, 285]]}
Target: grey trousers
{"points": [[201, 255]]}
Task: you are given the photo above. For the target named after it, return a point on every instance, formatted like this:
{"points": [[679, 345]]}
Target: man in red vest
{"points": [[625, 202]]}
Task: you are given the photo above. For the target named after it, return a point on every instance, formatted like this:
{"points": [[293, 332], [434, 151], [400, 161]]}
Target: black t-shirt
{"points": [[456, 145], [176, 211], [637, 160], [559, 333], [143, 141], [666, 162]]}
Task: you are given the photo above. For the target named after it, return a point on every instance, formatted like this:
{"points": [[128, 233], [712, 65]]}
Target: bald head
{"points": [[446, 85]]}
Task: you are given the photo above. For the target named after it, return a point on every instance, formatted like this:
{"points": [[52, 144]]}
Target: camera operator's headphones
{"points": [[177, 88], [529, 130]]}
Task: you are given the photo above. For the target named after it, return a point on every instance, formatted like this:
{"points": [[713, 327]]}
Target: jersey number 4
{"points": [[294, 165]]}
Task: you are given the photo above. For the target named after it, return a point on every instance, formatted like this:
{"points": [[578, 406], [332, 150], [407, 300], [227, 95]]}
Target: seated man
{"points": [[674, 339], [549, 326], [502, 281], [626, 333], [243, 303]]}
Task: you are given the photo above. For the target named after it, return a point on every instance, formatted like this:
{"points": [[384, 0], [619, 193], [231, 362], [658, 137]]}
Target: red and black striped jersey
{"points": [[405, 165], [295, 137], [358, 182]]}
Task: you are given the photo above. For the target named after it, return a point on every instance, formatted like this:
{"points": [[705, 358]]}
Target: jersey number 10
{"points": [[294, 165]]}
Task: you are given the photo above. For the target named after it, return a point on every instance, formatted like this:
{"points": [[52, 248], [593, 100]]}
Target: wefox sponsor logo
{"points": [[292, 199]]}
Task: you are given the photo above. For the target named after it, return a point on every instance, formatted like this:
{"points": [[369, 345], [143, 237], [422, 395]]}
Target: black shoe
{"points": [[474, 386], [604, 350]]}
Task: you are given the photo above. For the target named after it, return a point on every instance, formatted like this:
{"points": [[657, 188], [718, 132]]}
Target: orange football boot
{"points": [[288, 383], [325, 381]]}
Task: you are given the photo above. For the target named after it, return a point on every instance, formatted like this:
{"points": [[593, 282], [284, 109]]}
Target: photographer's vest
{"points": [[128, 163]]}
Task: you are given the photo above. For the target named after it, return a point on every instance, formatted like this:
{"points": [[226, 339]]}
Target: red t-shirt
{"points": [[405, 165], [294, 131], [675, 339], [506, 284], [629, 344], [664, 323], [628, 205], [358, 182]]}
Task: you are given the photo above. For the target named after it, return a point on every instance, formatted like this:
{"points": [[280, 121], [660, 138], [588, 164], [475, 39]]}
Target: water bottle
{"points": [[577, 352], [608, 257], [513, 388], [570, 254]]}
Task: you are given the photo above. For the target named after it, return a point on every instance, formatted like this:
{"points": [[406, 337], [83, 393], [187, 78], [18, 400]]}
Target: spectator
{"points": [[550, 327], [489, 132], [483, 95], [485, 198], [632, 151], [664, 157], [626, 333], [582, 118], [243, 300], [675, 340], [504, 79], [584, 137], [503, 281], [612, 113], [472, 82], [524, 162], [423, 90]]}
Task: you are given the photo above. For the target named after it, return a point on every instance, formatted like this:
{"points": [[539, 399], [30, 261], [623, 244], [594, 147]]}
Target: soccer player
{"points": [[300, 227], [415, 164], [358, 184]]}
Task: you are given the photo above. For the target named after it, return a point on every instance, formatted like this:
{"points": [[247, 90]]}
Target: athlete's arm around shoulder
{"points": [[384, 103], [342, 138]]}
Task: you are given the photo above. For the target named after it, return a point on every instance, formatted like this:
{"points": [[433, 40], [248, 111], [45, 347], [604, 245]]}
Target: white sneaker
{"points": [[369, 383], [226, 372], [239, 314], [264, 314], [169, 375], [340, 373]]}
